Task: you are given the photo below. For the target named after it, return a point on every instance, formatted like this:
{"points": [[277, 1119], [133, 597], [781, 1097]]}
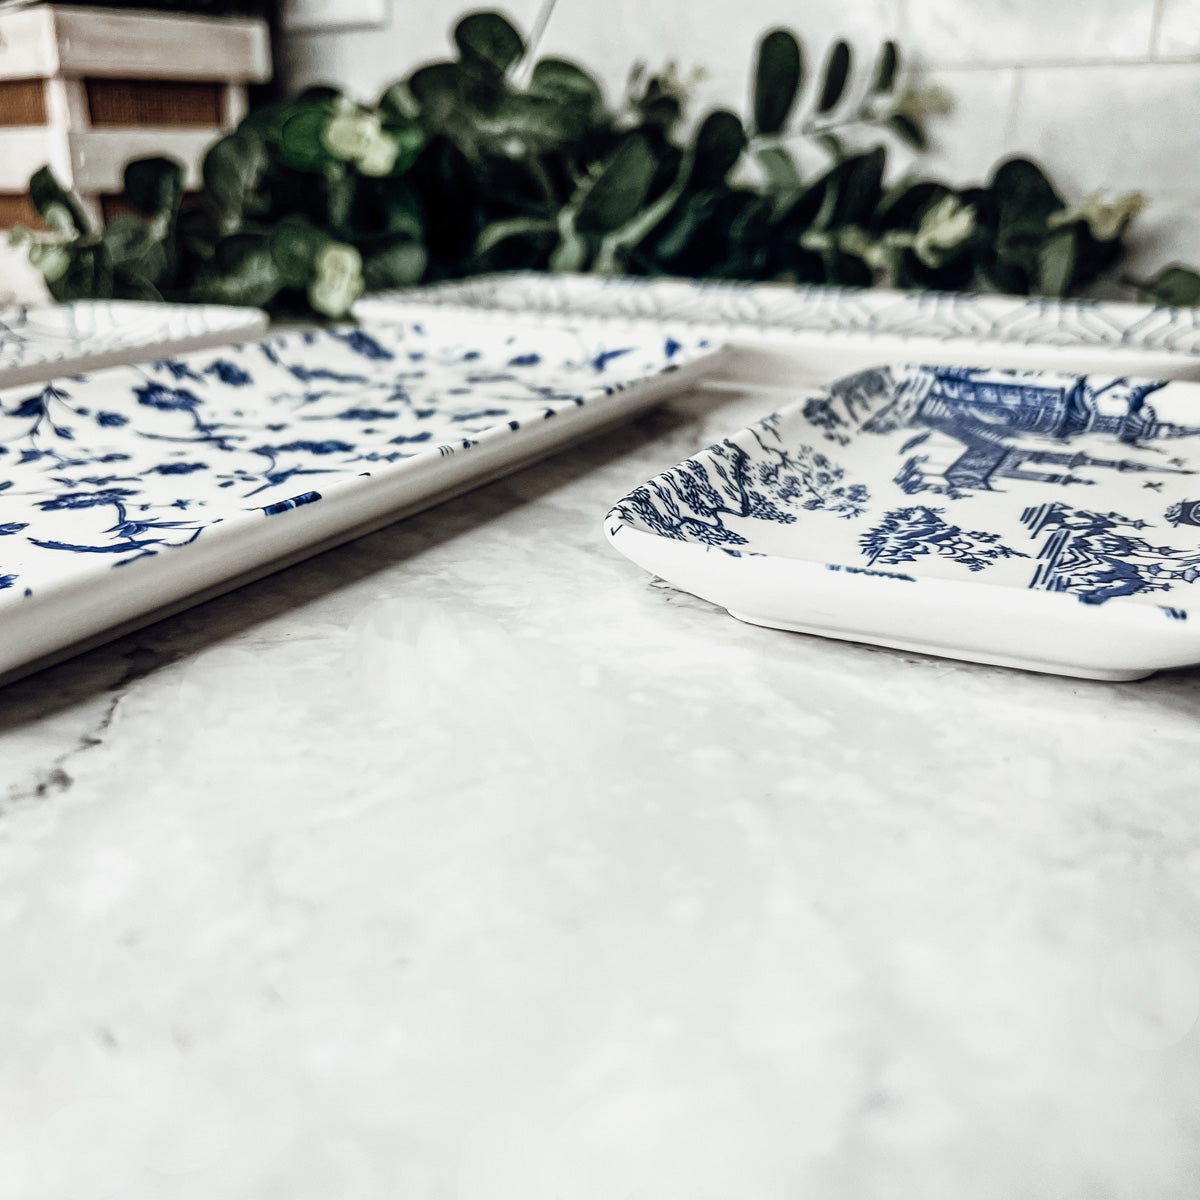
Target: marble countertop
{"points": [[465, 862]]}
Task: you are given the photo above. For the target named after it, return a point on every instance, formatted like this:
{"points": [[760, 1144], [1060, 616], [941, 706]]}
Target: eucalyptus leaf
{"points": [[778, 76], [243, 271], [885, 71], [618, 189], [499, 231], [1056, 263], [488, 39], [1175, 286], [780, 169], [129, 285], [154, 186], [88, 277], [438, 85], [847, 270], [410, 140], [134, 248], [45, 191], [810, 205], [905, 128], [233, 172], [293, 245], [861, 187], [396, 266], [684, 225], [569, 85], [904, 204], [719, 143], [1023, 193], [301, 144], [837, 74]]}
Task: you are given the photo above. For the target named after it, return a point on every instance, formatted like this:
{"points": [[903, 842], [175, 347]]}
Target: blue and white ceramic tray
{"points": [[827, 331], [64, 339], [139, 490], [1029, 519]]}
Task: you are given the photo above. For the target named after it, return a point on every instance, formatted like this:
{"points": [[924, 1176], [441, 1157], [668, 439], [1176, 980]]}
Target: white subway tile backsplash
{"points": [[710, 35], [1119, 127], [1167, 231], [1178, 30], [979, 32], [975, 135]]}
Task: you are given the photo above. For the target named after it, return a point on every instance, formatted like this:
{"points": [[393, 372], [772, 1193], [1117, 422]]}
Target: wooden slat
{"points": [[98, 156], [25, 150], [22, 102], [66, 103], [27, 45], [96, 42], [154, 102], [235, 106]]}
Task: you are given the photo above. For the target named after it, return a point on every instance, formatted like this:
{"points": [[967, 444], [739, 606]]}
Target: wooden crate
{"points": [[85, 90]]}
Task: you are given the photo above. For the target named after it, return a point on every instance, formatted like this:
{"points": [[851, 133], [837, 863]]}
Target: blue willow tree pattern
{"points": [[905, 534], [765, 481]]}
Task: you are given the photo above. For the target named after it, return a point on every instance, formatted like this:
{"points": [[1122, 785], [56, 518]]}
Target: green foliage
{"points": [[777, 80], [1174, 285], [486, 161]]}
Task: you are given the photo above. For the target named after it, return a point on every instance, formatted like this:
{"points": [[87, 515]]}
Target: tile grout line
{"points": [[1061, 64], [1156, 19]]}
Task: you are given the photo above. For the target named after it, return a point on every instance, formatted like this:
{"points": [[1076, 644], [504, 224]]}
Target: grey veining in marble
{"points": [[464, 862]]}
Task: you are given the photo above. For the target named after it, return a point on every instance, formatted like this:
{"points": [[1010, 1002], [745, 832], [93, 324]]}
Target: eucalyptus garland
{"points": [[486, 162]]}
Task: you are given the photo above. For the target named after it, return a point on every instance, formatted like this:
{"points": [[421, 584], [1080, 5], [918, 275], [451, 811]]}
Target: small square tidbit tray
{"points": [[1023, 518]]}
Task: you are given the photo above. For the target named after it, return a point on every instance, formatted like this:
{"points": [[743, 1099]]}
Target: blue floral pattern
{"points": [[104, 470]]}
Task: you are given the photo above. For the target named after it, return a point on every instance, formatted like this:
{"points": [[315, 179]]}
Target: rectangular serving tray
{"points": [[781, 330], [1021, 518], [65, 339], [139, 490]]}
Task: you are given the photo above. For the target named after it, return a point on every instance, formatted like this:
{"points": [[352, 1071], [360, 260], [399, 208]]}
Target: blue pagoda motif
{"points": [[974, 426], [1186, 512], [1099, 556]]}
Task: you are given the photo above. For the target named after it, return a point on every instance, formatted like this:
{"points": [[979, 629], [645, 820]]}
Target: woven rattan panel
{"points": [[16, 209], [113, 205], [153, 102], [23, 102]]}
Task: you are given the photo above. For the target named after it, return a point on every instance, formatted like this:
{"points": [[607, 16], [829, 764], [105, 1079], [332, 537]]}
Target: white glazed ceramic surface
{"points": [[139, 488], [64, 339], [842, 330], [1020, 518]]}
